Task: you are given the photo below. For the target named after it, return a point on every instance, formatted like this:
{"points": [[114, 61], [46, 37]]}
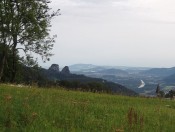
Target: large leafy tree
{"points": [[25, 24]]}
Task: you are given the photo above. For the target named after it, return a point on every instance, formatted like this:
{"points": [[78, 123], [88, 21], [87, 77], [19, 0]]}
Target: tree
{"points": [[158, 90], [4, 35], [25, 25], [162, 94], [170, 94]]}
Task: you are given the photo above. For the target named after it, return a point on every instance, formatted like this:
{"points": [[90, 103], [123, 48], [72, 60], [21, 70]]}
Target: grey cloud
{"points": [[86, 2], [97, 1], [92, 8], [120, 28]]}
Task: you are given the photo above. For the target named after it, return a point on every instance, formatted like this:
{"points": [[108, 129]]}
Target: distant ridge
{"points": [[163, 72], [77, 67], [114, 72], [81, 67]]}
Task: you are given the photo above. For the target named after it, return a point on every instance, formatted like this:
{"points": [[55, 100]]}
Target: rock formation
{"points": [[54, 68], [65, 70]]}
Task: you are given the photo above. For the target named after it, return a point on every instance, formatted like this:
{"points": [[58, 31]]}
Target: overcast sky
{"points": [[114, 32]]}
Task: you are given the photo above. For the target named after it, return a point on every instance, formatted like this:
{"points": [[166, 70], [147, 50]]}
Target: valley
{"points": [[130, 77]]}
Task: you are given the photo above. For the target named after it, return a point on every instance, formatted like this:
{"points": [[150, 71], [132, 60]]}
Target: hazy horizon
{"points": [[133, 33], [62, 66]]}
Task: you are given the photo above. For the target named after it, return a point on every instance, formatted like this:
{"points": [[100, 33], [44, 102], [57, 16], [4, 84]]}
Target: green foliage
{"points": [[162, 94], [85, 86], [8, 66], [28, 23], [25, 25], [32, 109], [47, 78], [170, 94]]}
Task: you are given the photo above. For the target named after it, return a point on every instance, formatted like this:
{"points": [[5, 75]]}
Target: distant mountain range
{"points": [[77, 67], [129, 76], [82, 67], [114, 72], [167, 74], [93, 70], [146, 71], [163, 72]]}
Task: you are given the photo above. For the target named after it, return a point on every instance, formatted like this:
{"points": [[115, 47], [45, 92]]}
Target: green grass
{"points": [[58, 110]]}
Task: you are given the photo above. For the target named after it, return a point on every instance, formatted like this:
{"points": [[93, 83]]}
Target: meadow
{"points": [[60, 110]]}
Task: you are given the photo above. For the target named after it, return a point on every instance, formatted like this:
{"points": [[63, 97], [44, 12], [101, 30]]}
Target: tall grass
{"points": [[33, 109]]}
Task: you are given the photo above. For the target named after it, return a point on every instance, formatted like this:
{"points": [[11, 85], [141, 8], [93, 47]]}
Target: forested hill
{"points": [[162, 72], [53, 76]]}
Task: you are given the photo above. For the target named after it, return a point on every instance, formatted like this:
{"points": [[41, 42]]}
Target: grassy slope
{"points": [[30, 109]]}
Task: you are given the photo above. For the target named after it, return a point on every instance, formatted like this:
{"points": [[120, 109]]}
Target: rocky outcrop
{"points": [[65, 70], [54, 68]]}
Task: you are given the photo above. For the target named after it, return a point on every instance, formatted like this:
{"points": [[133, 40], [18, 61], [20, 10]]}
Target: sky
{"points": [[114, 32]]}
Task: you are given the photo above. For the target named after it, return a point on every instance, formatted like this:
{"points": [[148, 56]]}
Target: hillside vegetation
{"points": [[33, 109]]}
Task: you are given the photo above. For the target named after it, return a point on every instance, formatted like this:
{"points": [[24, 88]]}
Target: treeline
{"points": [[162, 94], [38, 76], [44, 78], [90, 86], [77, 85], [170, 94]]}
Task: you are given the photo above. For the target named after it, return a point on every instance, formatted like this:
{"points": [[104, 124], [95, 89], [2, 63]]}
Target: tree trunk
{"points": [[2, 64], [14, 69]]}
